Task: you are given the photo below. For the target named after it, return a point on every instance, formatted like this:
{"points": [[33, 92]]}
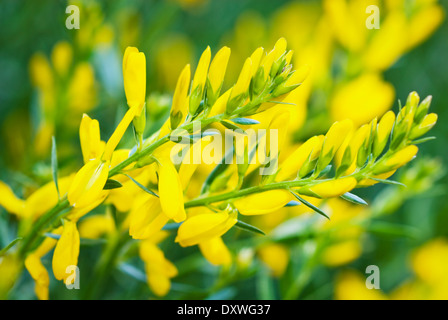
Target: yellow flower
{"points": [[61, 57], [397, 160], [199, 79], [39, 274], [331, 188], [263, 202], [179, 106], [88, 183], [10, 201], [427, 123], [242, 84], [276, 257], [134, 75], [159, 270], [66, 251], [146, 219], [341, 253], [82, 89], [171, 191], [350, 285], [206, 226], [278, 50], [89, 133], [383, 132], [93, 227], [215, 251], [219, 107], [218, 69], [308, 150], [430, 261], [349, 100]]}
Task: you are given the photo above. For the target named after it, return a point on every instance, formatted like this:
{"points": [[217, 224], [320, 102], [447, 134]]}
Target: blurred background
{"points": [[50, 75]]}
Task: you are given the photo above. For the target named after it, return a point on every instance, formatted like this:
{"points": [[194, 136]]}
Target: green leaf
{"points": [[244, 121], [392, 182], [353, 198], [422, 140], [9, 246], [248, 227], [281, 102], [171, 226], [292, 203], [309, 205], [54, 164], [220, 168], [141, 186], [232, 126], [112, 184], [132, 271]]}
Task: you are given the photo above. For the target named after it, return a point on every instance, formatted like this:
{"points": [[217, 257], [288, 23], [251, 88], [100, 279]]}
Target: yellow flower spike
{"points": [[428, 122], [10, 201], [276, 257], [94, 227], [40, 276], [218, 69], [89, 134], [382, 133], [331, 188], [263, 203], [88, 183], [171, 191], [179, 107], [66, 251], [203, 227], [199, 79], [348, 161], [397, 160], [215, 251], [61, 57], [242, 84], [134, 76], [147, 219], [310, 149], [119, 132]]}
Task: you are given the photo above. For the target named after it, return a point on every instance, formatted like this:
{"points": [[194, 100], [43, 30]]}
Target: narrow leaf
{"points": [[248, 227], [282, 102], [112, 184], [422, 140], [292, 203], [309, 205], [392, 182], [353, 198], [9, 246], [244, 121], [232, 126], [392, 229], [54, 164], [141, 186]]}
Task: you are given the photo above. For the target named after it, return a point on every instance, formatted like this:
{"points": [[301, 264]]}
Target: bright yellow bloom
{"points": [[299, 76], [66, 251], [350, 153], [146, 219], [179, 107], [219, 107], [82, 89], [242, 84], [256, 57], [89, 133], [215, 251], [349, 100], [88, 183], [428, 122], [10, 201], [309, 150], [206, 226], [218, 69], [159, 270], [61, 57], [335, 137], [397, 160], [93, 227], [199, 79], [263, 202], [383, 132], [134, 76], [351, 285], [278, 50], [276, 257], [430, 261], [331, 188], [341, 253], [39, 274], [171, 191]]}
